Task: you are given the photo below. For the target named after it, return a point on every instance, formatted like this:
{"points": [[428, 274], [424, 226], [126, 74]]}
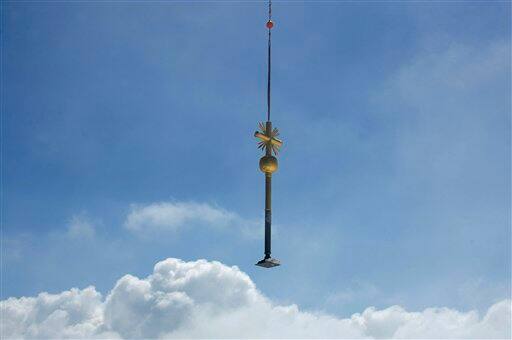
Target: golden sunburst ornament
{"points": [[268, 138]]}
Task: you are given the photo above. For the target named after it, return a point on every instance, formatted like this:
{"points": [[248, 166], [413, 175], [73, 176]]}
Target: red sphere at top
{"points": [[270, 24]]}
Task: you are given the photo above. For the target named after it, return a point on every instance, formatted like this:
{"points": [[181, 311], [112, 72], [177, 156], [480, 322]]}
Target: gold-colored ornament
{"points": [[268, 164], [268, 138], [270, 144]]}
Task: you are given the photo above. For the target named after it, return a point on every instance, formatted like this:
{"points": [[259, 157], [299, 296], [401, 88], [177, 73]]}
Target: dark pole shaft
{"points": [[268, 213], [268, 201]]}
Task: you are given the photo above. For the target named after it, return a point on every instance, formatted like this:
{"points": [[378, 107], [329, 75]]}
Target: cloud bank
{"points": [[211, 300]]}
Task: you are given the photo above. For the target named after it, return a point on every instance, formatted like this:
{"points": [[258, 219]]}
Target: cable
{"points": [[270, 24]]}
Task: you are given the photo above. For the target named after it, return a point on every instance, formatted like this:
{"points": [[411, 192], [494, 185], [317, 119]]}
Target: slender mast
{"points": [[268, 176]]}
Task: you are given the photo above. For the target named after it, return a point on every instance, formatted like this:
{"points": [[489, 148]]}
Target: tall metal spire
{"points": [[268, 163]]}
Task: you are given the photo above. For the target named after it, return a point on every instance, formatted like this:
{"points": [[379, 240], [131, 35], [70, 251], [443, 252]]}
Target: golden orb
{"points": [[268, 164]]}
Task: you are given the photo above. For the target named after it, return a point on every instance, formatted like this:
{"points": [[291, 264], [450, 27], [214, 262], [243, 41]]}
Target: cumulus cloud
{"points": [[173, 216], [71, 314], [211, 300]]}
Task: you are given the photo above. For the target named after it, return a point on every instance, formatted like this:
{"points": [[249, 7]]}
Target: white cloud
{"points": [[80, 227], [452, 107], [435, 77], [71, 314], [211, 300], [173, 216]]}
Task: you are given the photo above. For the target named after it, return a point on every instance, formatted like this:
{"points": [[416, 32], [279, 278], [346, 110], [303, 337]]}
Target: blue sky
{"points": [[394, 181]]}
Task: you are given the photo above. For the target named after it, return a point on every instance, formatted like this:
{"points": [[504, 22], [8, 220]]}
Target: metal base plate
{"points": [[269, 263]]}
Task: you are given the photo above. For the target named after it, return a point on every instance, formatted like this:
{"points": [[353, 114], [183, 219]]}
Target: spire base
{"points": [[269, 262]]}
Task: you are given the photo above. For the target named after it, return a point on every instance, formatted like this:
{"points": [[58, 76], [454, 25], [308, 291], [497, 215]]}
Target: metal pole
{"points": [[268, 214]]}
